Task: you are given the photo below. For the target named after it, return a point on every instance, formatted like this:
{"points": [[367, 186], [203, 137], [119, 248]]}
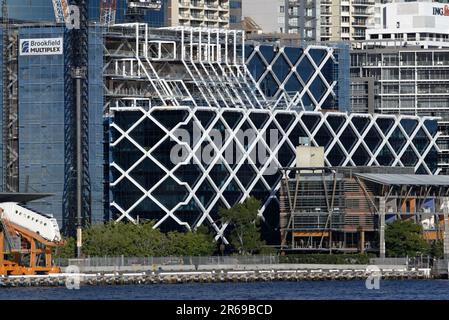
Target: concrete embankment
{"points": [[232, 267], [213, 274]]}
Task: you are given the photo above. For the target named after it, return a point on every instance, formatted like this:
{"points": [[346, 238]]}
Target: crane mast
{"points": [[62, 11], [108, 11]]}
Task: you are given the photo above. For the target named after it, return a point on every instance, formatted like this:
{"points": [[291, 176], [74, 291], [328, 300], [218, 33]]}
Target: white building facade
{"points": [[285, 16], [421, 23], [403, 65]]}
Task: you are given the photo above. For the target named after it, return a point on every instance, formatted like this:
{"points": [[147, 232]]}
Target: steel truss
{"points": [[295, 100]]}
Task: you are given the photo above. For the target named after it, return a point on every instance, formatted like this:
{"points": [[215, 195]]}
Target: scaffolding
{"points": [[184, 67], [108, 11], [10, 105]]}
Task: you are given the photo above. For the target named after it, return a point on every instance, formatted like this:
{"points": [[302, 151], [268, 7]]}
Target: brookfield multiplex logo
{"points": [[25, 47], [40, 47], [444, 11]]}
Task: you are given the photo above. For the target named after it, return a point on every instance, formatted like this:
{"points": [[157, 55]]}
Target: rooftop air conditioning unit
{"points": [[304, 141]]}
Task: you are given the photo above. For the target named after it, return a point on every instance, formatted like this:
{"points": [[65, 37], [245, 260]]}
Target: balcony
{"points": [[361, 12], [224, 5], [184, 3], [184, 15], [211, 5], [196, 24], [197, 16], [363, 2], [359, 24], [198, 4], [309, 4]]}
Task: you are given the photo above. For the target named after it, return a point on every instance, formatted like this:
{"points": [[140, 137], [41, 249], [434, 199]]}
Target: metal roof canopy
{"points": [[22, 197], [405, 179]]}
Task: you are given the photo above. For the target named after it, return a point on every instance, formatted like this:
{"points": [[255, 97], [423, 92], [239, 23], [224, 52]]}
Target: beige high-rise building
{"points": [[198, 13], [345, 20]]}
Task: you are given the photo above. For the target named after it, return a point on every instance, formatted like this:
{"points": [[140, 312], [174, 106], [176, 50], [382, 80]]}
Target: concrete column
{"points": [[382, 227], [362, 240], [446, 228]]}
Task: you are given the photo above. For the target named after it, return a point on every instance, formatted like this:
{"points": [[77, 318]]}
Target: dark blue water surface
{"points": [[311, 290]]}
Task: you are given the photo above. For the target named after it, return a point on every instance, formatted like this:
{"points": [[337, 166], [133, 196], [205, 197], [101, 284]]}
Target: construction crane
{"points": [[108, 11], [62, 11], [26, 237]]}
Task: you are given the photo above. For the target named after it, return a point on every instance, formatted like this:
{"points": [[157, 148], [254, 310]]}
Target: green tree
{"points": [[190, 244], [128, 239], [66, 251], [199, 243], [245, 226], [404, 238], [436, 249]]}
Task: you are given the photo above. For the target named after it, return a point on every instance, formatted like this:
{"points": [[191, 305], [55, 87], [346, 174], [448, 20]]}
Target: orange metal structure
{"points": [[24, 260]]}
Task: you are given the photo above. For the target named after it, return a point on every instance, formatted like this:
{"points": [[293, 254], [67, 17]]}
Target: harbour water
{"points": [[307, 290]]}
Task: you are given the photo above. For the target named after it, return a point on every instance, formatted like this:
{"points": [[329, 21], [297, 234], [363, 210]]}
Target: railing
{"points": [[363, 2], [361, 12], [412, 262], [151, 261], [389, 261], [441, 267]]}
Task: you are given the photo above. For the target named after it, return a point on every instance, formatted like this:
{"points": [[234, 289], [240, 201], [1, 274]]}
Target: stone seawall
{"points": [[218, 274], [233, 267]]}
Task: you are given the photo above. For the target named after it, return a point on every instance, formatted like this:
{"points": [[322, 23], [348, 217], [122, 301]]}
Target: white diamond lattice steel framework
{"points": [[191, 71]]}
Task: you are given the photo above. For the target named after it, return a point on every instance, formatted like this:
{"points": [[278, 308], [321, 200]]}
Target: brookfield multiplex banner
{"points": [[41, 47]]}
